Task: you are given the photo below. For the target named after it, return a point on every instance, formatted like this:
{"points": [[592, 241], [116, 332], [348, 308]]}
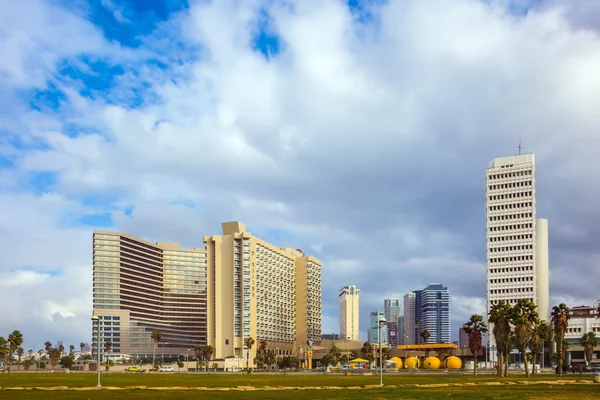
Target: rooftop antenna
{"points": [[519, 147]]}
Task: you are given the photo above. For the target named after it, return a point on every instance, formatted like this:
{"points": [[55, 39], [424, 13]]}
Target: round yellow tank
{"points": [[453, 362], [411, 363], [432, 363], [398, 363]]}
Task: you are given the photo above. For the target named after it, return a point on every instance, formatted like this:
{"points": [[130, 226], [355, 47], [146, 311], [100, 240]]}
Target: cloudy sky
{"points": [[358, 131]]}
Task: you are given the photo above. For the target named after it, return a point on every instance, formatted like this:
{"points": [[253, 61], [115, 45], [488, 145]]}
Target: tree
{"points": [[30, 353], [199, 352], [335, 355], [326, 361], [27, 363], [249, 344], [560, 322], [4, 348], [510, 341], [48, 347], [385, 353], [81, 346], [425, 335], [500, 317], [107, 349], [475, 328], [15, 339], [367, 351], [67, 361], [524, 317], [262, 348], [207, 352], [354, 354], [589, 341], [54, 356], [156, 338], [71, 349], [61, 348], [270, 357], [539, 334], [20, 352]]}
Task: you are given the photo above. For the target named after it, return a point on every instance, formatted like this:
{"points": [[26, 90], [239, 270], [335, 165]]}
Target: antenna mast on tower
{"points": [[519, 147]]}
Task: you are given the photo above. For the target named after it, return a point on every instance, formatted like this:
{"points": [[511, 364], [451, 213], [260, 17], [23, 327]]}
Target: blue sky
{"points": [[356, 131]]}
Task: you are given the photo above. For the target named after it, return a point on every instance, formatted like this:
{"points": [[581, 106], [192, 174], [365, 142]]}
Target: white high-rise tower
{"points": [[517, 241], [349, 325]]}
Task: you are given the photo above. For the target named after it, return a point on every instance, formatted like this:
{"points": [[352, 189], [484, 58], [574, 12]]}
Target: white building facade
{"points": [[349, 321], [409, 334], [516, 240]]}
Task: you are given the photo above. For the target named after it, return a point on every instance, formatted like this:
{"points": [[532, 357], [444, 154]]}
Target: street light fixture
{"points": [[96, 319], [382, 322]]}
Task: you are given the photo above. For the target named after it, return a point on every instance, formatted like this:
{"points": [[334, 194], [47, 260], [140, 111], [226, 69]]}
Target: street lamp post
{"points": [[96, 319], [382, 322]]}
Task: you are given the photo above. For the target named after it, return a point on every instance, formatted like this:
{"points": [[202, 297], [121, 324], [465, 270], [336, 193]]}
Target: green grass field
{"points": [[505, 392]]}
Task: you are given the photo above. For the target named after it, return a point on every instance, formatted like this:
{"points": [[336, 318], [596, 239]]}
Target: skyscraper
{"points": [[435, 313], [427, 309], [375, 317], [410, 326], [261, 291], [391, 309], [140, 286], [517, 241], [349, 322]]}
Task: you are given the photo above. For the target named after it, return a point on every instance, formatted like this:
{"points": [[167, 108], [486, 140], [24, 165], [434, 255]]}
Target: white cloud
{"points": [[367, 142]]}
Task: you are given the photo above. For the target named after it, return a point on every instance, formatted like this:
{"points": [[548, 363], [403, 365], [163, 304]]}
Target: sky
{"points": [[358, 131]]}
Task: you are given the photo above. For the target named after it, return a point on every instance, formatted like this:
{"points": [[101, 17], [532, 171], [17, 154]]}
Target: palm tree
{"points": [[510, 342], [539, 334], [385, 353], [270, 357], [30, 353], [335, 355], [425, 335], [71, 349], [475, 328], [156, 338], [589, 341], [81, 346], [500, 317], [354, 354], [199, 352], [249, 344], [524, 316], [15, 339], [4, 348], [560, 322], [107, 349], [207, 353], [48, 347], [367, 351], [262, 347], [20, 352]]}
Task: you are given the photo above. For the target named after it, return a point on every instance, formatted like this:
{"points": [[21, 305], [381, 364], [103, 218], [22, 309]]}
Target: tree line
{"points": [[521, 327]]}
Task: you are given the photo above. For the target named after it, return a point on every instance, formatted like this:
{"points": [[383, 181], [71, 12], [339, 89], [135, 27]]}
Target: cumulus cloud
{"points": [[364, 138]]}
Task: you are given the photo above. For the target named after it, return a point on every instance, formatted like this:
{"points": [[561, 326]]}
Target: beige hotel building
{"points": [[239, 286], [517, 241]]}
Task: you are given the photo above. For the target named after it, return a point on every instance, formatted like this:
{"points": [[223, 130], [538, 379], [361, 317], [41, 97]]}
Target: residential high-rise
{"points": [[410, 327], [435, 313], [517, 241], [140, 286], [375, 317], [349, 322], [391, 309], [400, 336], [261, 291]]}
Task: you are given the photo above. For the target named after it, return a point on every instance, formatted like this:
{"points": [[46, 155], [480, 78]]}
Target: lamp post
{"points": [[382, 322], [96, 319]]}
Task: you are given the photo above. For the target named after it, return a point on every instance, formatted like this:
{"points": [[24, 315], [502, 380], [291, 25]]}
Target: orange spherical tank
{"points": [[432, 363], [411, 363], [453, 362]]}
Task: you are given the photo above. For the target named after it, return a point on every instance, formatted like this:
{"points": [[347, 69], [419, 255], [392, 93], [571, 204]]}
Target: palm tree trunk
{"points": [[525, 363], [475, 365], [533, 359], [19, 364], [153, 354], [506, 361], [500, 364]]}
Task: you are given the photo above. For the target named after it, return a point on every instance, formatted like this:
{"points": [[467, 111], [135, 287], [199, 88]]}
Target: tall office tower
{"points": [[410, 308], [435, 313], [392, 310], [261, 291], [375, 317], [517, 241], [140, 286], [392, 333], [349, 325], [400, 336]]}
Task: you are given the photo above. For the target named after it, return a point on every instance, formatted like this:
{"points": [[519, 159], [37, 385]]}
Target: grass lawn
{"points": [[505, 392]]}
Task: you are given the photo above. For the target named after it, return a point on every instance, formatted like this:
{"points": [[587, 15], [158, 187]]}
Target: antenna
{"points": [[519, 147]]}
